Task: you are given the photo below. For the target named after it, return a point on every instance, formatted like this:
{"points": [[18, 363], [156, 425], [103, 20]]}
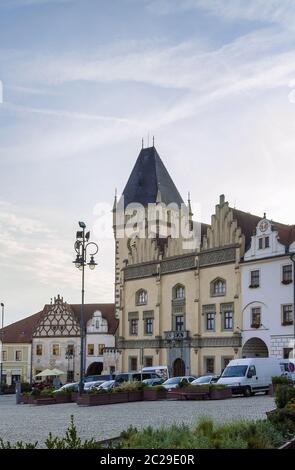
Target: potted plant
{"points": [[93, 397], [118, 395], [154, 393], [219, 392], [134, 389], [62, 396], [277, 380], [190, 392]]}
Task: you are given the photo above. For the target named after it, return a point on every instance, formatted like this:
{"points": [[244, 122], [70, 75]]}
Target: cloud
{"points": [[270, 11]]}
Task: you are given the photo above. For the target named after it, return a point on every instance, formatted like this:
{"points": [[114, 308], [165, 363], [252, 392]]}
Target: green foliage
{"points": [[129, 386], [154, 387], [280, 380], [283, 394], [206, 435], [46, 392], [26, 387], [70, 440], [217, 386], [96, 391], [64, 391], [17, 445], [35, 392], [283, 420]]}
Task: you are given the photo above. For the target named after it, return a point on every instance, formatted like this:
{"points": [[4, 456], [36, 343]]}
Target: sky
{"points": [[83, 81]]}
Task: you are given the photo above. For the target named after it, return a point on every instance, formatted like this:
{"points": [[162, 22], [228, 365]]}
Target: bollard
{"points": [[18, 392]]}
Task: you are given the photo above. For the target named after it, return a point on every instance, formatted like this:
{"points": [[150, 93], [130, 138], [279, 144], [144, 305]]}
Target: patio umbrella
{"points": [[57, 372], [44, 373], [50, 373]]}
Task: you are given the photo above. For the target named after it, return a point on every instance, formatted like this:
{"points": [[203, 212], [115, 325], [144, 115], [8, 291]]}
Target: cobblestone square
{"points": [[31, 423]]}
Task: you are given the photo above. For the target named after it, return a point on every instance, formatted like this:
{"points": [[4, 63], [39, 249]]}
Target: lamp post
{"points": [[292, 257], [81, 246], [2, 337], [70, 354]]}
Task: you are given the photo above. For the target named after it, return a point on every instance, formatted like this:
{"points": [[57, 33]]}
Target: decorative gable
{"points": [[57, 319], [265, 242]]}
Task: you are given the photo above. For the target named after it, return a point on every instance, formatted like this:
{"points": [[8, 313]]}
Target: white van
{"points": [[250, 375], [162, 371]]}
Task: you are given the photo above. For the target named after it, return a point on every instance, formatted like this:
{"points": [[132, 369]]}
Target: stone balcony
{"points": [[176, 335]]}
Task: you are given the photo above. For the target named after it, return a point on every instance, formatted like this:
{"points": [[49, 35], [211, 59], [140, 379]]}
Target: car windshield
{"points": [[173, 380], [202, 380], [235, 371]]}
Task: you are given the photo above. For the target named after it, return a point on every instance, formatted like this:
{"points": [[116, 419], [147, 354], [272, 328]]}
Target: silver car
{"points": [[175, 382], [206, 379]]}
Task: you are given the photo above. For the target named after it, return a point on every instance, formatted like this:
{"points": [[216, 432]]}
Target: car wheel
{"points": [[247, 392]]}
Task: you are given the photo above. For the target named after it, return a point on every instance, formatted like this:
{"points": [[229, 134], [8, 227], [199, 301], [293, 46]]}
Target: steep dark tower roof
{"points": [[148, 178]]}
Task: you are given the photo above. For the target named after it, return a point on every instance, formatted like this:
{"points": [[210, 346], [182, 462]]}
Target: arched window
{"points": [[141, 297], [218, 287], [178, 292]]}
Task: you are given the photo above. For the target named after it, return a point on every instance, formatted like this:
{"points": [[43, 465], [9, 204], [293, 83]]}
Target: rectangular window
{"points": [[90, 350], [133, 364], [210, 321], [148, 326], [209, 365], [287, 314], [256, 317], [4, 356], [18, 355], [39, 350], [263, 243], [101, 348], [287, 274], [70, 349], [148, 361], [179, 323], [133, 327], [255, 278], [55, 350], [228, 320]]}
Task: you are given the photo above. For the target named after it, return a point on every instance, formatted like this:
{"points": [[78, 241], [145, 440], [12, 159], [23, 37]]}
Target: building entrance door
{"points": [[178, 367]]}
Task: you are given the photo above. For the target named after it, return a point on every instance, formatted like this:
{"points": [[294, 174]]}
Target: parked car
{"points": [[162, 371], [153, 382], [74, 386], [250, 375], [132, 376], [175, 382], [106, 385], [93, 378], [205, 379], [94, 384]]}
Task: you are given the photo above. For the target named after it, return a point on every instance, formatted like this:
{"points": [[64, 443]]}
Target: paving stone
{"points": [[33, 423]]}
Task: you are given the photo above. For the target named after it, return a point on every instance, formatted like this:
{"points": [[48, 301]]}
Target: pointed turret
{"points": [[150, 181]]}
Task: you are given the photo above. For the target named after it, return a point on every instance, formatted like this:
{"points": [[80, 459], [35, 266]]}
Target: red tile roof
{"points": [[22, 330]]}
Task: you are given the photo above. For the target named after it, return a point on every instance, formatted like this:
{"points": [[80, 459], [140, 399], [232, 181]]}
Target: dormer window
{"points": [[218, 287], [141, 297], [99, 323], [263, 243]]}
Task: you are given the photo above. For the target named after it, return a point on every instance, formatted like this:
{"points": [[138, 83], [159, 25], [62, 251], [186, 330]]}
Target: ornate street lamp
{"points": [[82, 245], [1, 358], [70, 354]]}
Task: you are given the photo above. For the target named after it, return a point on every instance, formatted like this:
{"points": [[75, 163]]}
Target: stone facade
{"points": [[189, 313], [267, 292]]}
